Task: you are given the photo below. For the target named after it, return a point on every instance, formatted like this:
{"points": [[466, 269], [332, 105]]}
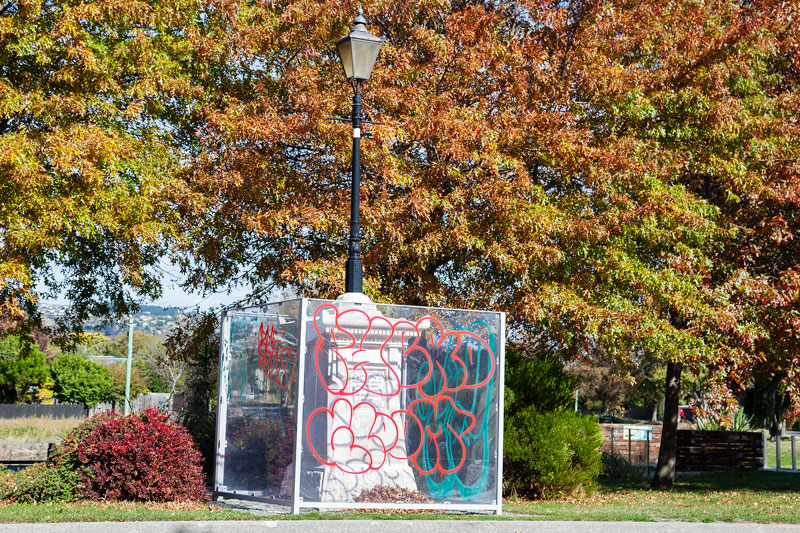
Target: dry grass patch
{"points": [[36, 427]]}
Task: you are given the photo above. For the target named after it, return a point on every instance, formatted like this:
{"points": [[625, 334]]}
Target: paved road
{"points": [[393, 526]]}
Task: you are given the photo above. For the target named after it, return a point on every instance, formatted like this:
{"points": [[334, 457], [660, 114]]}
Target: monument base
{"points": [[339, 486]]}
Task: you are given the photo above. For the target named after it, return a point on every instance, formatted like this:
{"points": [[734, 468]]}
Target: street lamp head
{"points": [[358, 50]]}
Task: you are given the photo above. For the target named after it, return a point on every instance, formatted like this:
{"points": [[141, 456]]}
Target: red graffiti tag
{"points": [[274, 359]]}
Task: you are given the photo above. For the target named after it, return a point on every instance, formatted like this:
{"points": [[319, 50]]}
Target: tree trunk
{"points": [[171, 400], [654, 414], [668, 452], [777, 427]]}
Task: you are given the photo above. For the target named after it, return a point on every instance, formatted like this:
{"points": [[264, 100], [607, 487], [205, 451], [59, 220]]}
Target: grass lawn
{"points": [[767, 497], [116, 512]]}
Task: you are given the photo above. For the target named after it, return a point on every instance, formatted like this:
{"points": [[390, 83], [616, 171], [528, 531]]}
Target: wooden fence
{"points": [[706, 451], [42, 411], [698, 451]]}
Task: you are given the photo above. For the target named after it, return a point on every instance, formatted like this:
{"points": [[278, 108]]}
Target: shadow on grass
{"points": [[720, 481]]}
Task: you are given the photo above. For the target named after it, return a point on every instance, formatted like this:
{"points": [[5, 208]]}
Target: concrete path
{"points": [[393, 526]]}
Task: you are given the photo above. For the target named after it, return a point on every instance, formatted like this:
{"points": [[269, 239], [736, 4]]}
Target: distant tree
{"points": [[195, 343], [767, 405], [78, 380], [144, 345], [162, 372], [603, 387], [151, 378], [22, 365], [93, 343], [648, 387], [117, 394]]}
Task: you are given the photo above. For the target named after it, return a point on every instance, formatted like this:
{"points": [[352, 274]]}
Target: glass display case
{"points": [[351, 404]]}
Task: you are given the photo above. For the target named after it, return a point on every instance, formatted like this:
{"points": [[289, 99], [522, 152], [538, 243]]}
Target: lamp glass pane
{"points": [[364, 55], [345, 55]]}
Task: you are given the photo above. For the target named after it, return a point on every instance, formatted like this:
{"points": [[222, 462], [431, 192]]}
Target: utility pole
{"points": [[128, 367]]}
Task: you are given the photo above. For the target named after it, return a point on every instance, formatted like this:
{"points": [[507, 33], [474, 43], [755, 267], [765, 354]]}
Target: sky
{"points": [[172, 294]]}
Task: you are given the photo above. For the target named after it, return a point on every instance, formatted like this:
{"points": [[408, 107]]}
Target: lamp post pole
{"points": [[353, 267], [357, 51]]}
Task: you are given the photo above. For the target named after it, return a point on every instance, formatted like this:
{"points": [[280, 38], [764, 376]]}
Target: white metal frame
{"points": [[220, 442], [500, 411], [296, 502], [298, 431], [777, 445], [444, 506]]}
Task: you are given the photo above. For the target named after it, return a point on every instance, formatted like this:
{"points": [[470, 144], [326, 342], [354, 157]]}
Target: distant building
{"points": [[151, 319]]}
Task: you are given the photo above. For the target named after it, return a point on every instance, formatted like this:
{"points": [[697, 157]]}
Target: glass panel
{"points": [[364, 54], [343, 46], [261, 376], [400, 404]]}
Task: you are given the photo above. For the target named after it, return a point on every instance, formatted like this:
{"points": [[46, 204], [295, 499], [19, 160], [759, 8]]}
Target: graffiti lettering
{"points": [[444, 380]]}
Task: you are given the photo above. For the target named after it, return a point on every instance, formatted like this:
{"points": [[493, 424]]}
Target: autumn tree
{"points": [[584, 166], [709, 89], [620, 178], [91, 99]]}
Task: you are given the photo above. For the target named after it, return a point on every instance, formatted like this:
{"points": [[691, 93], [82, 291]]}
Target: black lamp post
{"points": [[358, 51]]}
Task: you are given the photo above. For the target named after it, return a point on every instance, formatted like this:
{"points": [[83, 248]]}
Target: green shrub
{"points": [[618, 468], [550, 454], [45, 483], [78, 380], [539, 382], [61, 477], [22, 366]]}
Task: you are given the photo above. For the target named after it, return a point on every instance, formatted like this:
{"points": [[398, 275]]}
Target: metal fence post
{"points": [[794, 456], [629, 447], [500, 413], [764, 449], [778, 453], [612, 439]]}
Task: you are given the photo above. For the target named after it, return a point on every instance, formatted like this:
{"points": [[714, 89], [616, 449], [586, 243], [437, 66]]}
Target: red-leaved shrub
{"points": [[144, 456]]}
